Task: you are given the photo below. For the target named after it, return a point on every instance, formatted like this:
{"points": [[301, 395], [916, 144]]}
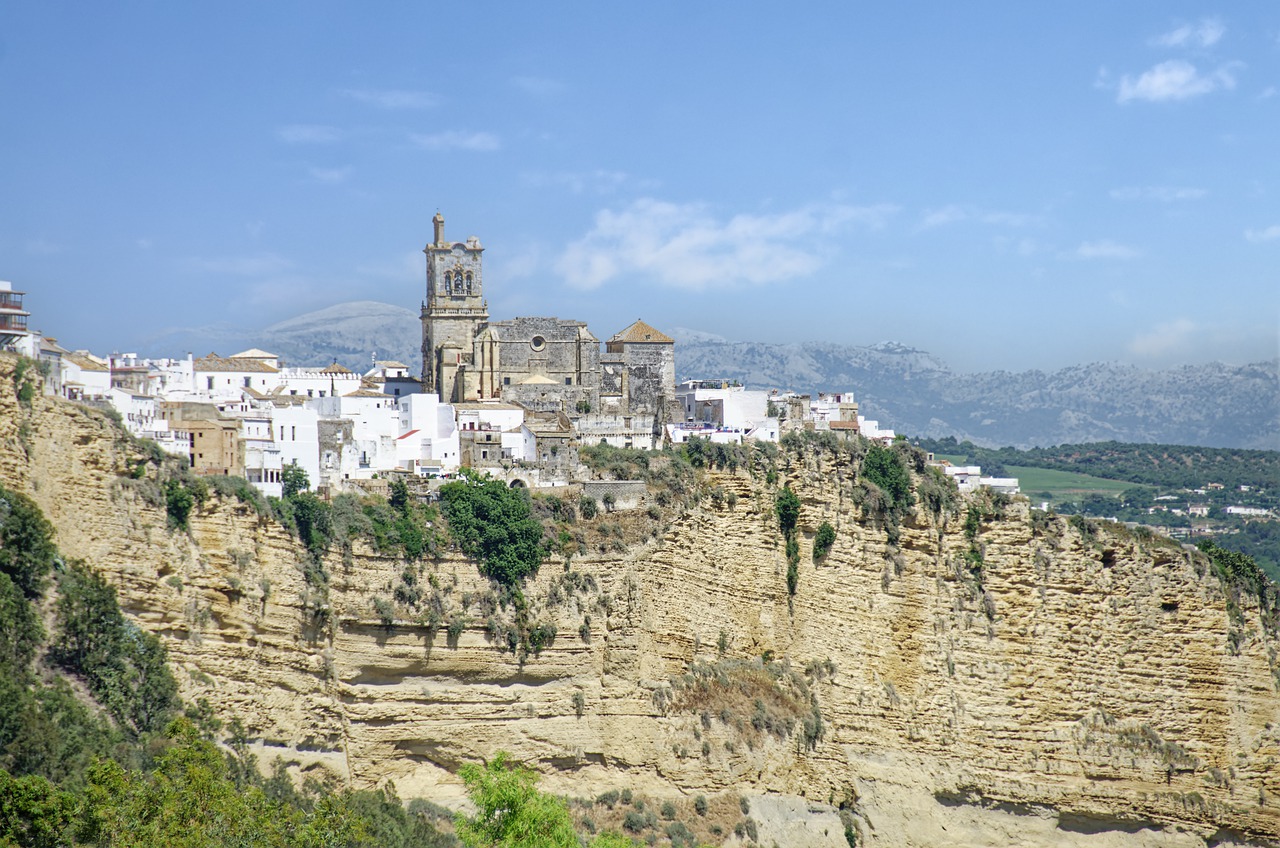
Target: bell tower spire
{"points": [[452, 314]]}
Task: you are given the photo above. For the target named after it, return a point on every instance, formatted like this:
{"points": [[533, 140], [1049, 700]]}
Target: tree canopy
{"points": [[492, 523]]}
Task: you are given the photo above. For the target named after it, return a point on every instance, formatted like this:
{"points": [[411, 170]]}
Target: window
{"points": [[538, 343], [209, 383], [568, 381], [247, 382], [506, 381]]}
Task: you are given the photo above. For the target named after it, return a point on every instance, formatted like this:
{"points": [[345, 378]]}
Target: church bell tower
{"points": [[453, 312]]}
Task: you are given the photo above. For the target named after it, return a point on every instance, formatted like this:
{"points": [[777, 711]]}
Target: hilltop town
{"points": [[515, 398]]}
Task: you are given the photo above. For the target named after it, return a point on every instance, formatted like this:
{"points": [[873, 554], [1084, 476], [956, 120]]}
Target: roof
{"points": [[213, 362], [85, 363], [537, 380], [368, 393], [642, 332], [843, 425], [335, 368], [390, 363], [407, 435], [254, 353]]}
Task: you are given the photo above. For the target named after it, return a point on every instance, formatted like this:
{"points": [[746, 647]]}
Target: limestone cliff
{"points": [[1090, 688]]}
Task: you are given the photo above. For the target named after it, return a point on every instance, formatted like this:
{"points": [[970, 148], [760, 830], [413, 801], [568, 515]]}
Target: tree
{"points": [[491, 522], [787, 507], [293, 479], [26, 542], [510, 811], [399, 496]]}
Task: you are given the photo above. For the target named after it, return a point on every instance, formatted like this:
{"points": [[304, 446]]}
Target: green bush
{"points": [[886, 468], [787, 507], [823, 541], [587, 507]]}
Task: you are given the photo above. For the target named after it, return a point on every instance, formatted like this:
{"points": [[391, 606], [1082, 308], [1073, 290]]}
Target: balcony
{"points": [[13, 323]]}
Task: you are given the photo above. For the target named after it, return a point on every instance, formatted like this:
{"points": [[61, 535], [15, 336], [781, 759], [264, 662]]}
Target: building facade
{"points": [[623, 394]]}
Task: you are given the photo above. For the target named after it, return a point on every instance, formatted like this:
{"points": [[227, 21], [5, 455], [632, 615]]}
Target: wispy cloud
{"points": [[1163, 194], [956, 213], [1267, 234], [1163, 339], [1175, 80], [686, 246], [1106, 249], [457, 140], [391, 98], [599, 181], [308, 134], [1206, 33], [241, 266], [330, 175], [538, 86]]}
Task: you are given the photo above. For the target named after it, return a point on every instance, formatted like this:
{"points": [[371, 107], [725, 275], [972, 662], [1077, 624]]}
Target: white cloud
{"points": [[538, 86], [457, 140], [330, 175], [241, 266], [308, 134], [392, 98], [1165, 339], [1163, 194], [941, 217], [1105, 249], [1268, 234], [1175, 80], [1204, 34], [686, 246], [955, 213]]}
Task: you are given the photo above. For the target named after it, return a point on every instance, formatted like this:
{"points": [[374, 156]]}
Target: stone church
{"points": [[624, 395]]}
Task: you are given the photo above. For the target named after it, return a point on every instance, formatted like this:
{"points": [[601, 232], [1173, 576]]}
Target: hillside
{"points": [[909, 390], [951, 673]]}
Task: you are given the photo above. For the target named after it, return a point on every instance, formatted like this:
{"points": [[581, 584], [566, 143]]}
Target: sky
{"points": [[1007, 185]]}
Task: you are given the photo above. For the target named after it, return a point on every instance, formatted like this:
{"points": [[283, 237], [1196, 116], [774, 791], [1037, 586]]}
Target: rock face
{"points": [[1095, 689]]}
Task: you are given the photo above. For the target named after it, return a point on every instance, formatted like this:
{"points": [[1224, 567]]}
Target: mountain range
{"points": [[910, 390]]}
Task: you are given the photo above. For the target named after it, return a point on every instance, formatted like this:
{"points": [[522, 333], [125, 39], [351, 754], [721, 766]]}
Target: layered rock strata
{"points": [[1086, 689]]}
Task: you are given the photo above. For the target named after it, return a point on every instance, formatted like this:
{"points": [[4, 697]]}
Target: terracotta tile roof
{"points": [[642, 332], [335, 368], [253, 353], [85, 363]]}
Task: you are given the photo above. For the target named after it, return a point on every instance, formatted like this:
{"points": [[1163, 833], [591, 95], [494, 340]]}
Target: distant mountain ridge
{"points": [[910, 390]]}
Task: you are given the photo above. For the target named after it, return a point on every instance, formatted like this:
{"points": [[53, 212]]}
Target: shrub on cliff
{"points": [[888, 470], [492, 523], [27, 551]]}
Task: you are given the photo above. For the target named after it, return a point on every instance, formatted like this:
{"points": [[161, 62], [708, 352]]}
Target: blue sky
{"points": [[1007, 185]]}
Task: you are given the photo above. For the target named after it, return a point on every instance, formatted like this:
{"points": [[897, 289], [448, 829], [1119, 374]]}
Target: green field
{"points": [[1063, 485]]}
